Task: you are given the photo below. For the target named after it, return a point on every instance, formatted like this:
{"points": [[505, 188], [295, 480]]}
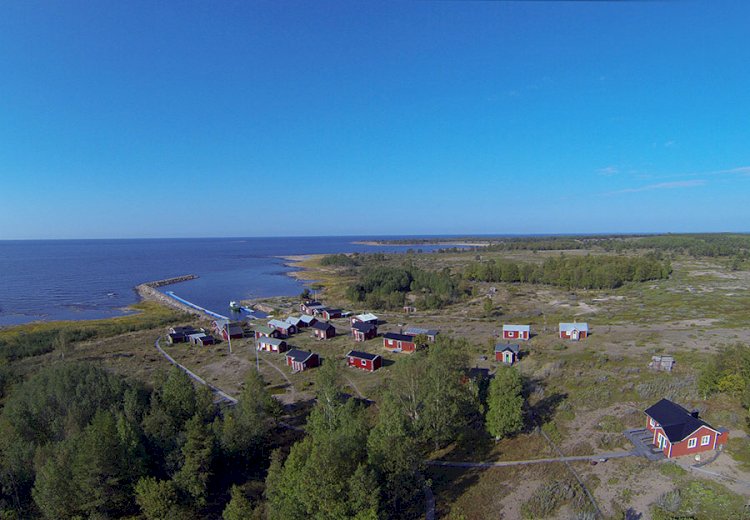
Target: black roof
{"points": [[322, 325], [299, 355], [399, 337], [183, 330], [330, 310], [362, 355], [311, 303], [676, 421], [363, 326]]}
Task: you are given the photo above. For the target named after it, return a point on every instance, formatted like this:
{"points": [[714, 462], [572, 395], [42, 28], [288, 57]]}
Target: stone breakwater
{"points": [[147, 291]]}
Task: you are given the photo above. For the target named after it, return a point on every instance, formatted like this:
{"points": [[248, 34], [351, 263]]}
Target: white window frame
{"points": [[705, 440], [652, 422], [692, 443]]}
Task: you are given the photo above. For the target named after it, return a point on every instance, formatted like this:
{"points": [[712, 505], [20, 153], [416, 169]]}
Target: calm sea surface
{"points": [[90, 279]]}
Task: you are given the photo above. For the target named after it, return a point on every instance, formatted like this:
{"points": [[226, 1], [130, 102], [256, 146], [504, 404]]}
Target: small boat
{"points": [[234, 306]]}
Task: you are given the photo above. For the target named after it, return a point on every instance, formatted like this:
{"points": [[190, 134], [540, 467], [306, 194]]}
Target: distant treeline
{"points": [[697, 245], [573, 272], [386, 287], [353, 260]]}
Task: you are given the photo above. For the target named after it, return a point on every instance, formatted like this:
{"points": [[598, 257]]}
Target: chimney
{"points": [[694, 413]]}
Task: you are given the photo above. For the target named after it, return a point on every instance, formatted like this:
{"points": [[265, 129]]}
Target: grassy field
{"points": [[585, 393]]}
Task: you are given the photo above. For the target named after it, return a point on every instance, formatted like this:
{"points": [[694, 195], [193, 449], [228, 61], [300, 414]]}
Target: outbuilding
{"points": [[362, 331], [323, 330], [399, 342], [367, 317], [574, 331], [507, 354], [201, 339], [310, 307], [176, 337], [301, 360], [329, 314], [364, 360], [431, 334], [519, 332], [285, 328], [266, 331], [678, 432], [307, 321], [270, 344]]}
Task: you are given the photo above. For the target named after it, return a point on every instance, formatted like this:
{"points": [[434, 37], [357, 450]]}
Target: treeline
{"points": [[573, 272], [79, 442], [699, 245], [384, 287], [351, 465], [352, 260]]}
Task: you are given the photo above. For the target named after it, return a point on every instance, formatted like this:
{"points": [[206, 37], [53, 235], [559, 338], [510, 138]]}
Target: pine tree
{"points": [[198, 452]]}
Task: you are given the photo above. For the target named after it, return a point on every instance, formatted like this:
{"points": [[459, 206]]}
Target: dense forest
{"points": [[80, 442], [386, 287], [573, 272]]}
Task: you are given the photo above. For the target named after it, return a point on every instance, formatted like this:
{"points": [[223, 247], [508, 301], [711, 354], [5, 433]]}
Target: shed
{"points": [[364, 360], [270, 344], [399, 342], [285, 328], [574, 331], [265, 330], [507, 354], [323, 330], [416, 331], [367, 317], [307, 321], [301, 360], [519, 332], [362, 331]]}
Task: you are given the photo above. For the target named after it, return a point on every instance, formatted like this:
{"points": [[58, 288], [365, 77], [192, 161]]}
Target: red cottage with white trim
{"points": [[399, 342], [364, 361], [522, 332], [678, 432]]}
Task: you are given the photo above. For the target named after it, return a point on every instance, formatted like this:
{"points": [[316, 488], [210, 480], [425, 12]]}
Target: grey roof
{"points": [[517, 328], [279, 324], [676, 421], [271, 341], [414, 331], [307, 318], [264, 329], [299, 355], [580, 327], [362, 355], [501, 347], [368, 316]]}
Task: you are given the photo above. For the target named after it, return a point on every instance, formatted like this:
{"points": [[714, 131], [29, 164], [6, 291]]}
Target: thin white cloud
{"points": [[661, 186], [607, 171]]}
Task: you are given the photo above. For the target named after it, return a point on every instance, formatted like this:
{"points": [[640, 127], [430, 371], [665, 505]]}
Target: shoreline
{"points": [[377, 243]]}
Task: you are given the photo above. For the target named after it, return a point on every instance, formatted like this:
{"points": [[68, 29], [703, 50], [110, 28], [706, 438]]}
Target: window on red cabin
{"points": [[692, 443], [705, 440]]}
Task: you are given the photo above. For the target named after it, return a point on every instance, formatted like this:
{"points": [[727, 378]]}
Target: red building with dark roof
{"points": [[678, 432], [399, 342], [364, 360], [363, 331]]}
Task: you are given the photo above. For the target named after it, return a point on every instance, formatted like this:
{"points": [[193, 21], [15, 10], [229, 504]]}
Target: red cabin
{"points": [[574, 331], [301, 360], [522, 332], [329, 314], [323, 330], [364, 361], [363, 331], [399, 342], [678, 432]]}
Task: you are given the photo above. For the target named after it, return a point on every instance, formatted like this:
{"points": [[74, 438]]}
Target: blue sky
{"points": [[173, 119]]}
